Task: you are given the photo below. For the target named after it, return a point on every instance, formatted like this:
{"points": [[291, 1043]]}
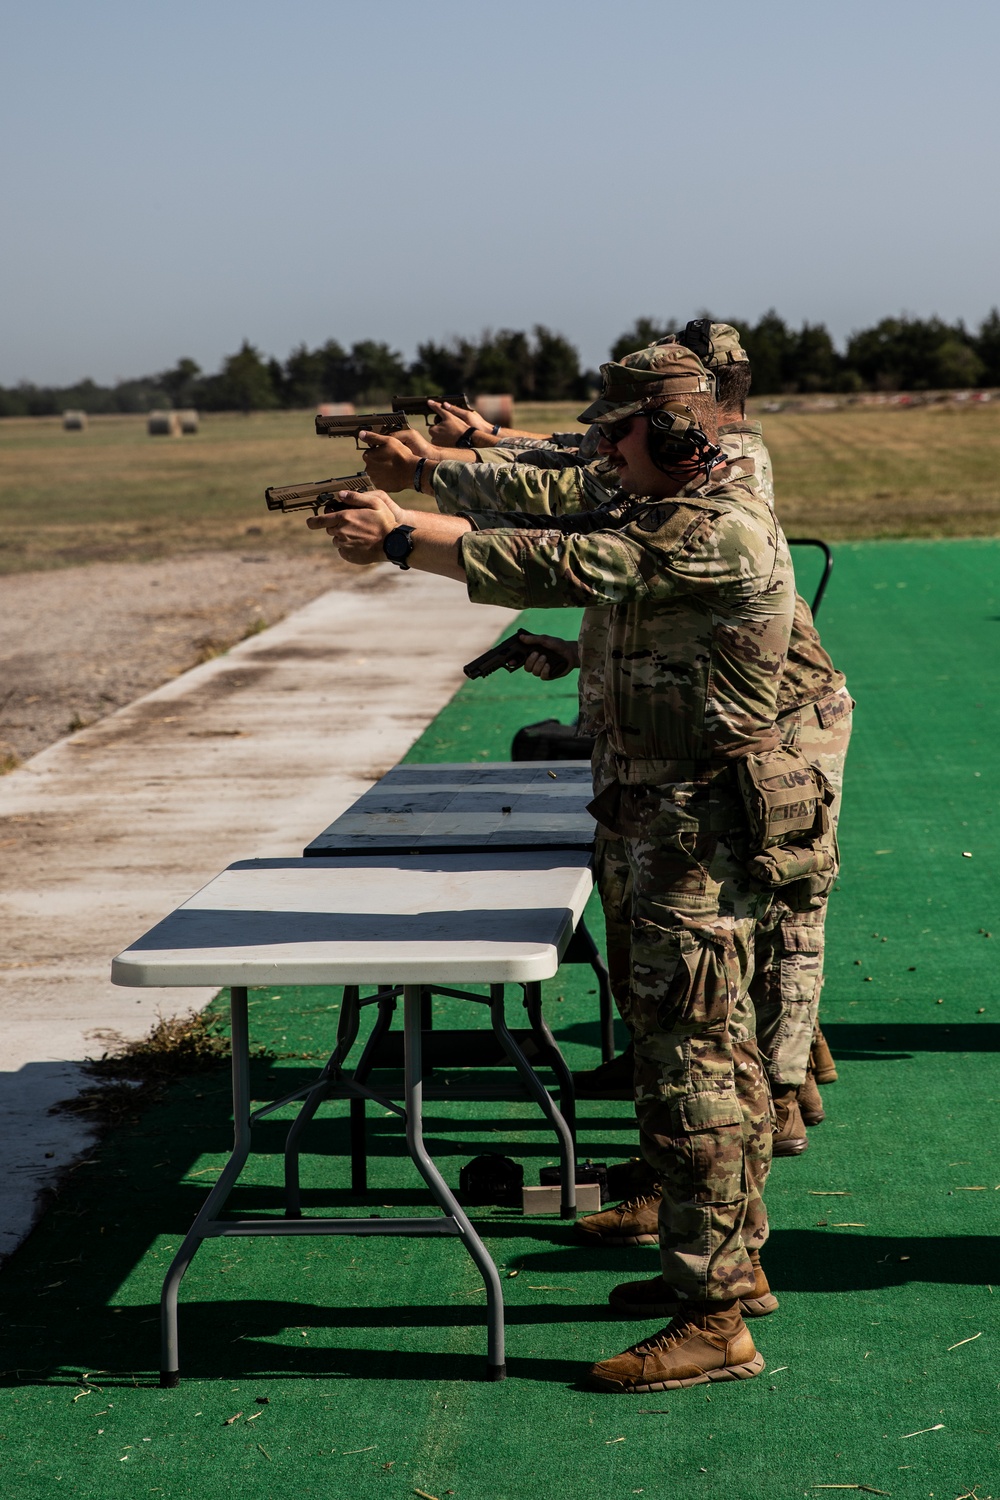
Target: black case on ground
{"points": [[550, 740]]}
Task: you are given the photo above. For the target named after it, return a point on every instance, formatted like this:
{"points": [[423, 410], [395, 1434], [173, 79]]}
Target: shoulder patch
{"points": [[671, 522], [653, 517]]}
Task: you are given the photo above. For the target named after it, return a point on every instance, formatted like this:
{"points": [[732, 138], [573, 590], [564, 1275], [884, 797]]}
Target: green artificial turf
{"points": [[370, 1352]]}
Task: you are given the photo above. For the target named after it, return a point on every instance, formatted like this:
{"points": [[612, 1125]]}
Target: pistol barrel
{"points": [[320, 495], [377, 421], [417, 405]]}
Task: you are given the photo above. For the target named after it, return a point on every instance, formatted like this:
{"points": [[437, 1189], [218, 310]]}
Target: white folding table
{"points": [[487, 807], [428, 919]]}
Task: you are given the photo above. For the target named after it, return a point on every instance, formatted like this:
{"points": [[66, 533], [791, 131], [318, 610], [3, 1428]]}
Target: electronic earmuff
{"points": [[697, 336], [675, 438]]}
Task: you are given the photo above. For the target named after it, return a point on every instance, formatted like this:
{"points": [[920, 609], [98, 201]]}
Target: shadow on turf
{"points": [[869, 1042], [815, 1261], [231, 1339], [855, 1042]]}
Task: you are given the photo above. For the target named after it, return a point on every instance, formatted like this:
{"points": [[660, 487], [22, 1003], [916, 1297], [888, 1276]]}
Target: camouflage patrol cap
{"points": [[714, 343], [634, 383]]}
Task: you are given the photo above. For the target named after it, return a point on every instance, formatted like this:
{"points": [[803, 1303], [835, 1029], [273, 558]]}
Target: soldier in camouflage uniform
{"points": [[699, 591], [815, 716]]}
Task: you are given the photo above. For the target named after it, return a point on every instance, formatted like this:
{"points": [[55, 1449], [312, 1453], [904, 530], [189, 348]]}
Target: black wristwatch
{"points": [[398, 545]]}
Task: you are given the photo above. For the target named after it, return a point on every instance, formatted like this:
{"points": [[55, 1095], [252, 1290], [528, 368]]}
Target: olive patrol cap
{"points": [[632, 384]]}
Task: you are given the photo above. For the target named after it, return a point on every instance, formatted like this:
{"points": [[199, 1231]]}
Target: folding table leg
{"points": [[170, 1354], [607, 1005], [358, 1117], [538, 1091], [347, 1031], [413, 1070], [550, 1051]]}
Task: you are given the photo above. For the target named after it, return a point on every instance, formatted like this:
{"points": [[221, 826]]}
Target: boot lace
{"points": [[674, 1333], [631, 1204]]}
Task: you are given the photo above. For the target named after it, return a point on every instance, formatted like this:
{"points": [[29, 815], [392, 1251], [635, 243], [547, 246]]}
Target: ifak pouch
{"points": [[793, 842], [782, 794]]}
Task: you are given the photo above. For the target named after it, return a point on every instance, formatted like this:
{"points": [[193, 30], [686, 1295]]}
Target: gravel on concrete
{"points": [[78, 643]]}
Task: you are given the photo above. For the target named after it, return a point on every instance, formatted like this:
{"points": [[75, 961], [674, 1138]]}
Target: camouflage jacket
{"points": [[459, 487], [746, 440], [699, 595], [809, 673]]}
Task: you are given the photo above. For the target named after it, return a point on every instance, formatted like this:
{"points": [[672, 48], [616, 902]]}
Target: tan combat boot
{"points": [[789, 1136], [655, 1298], [821, 1059], [611, 1080], [635, 1222], [707, 1341], [810, 1103]]}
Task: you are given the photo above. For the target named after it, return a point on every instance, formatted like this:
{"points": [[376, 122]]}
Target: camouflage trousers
{"points": [[614, 886], [701, 1097], [788, 949]]}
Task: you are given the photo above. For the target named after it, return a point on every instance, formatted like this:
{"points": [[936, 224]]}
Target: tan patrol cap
{"points": [[631, 384]]}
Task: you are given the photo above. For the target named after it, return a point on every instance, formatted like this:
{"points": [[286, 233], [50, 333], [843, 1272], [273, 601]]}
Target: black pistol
{"points": [[511, 654]]}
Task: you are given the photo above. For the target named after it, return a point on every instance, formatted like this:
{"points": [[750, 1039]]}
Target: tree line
{"points": [[904, 354]]}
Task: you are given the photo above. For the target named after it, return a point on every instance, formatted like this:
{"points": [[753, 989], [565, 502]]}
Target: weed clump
{"points": [[133, 1074]]}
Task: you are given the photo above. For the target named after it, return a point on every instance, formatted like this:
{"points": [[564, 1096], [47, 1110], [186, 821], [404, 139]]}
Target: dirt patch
{"points": [[79, 643]]}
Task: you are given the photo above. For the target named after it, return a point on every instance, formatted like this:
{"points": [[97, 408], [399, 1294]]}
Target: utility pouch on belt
{"points": [[787, 804]]}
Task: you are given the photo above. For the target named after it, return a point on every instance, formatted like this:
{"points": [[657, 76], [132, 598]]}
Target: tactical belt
{"points": [[634, 772], [829, 710]]}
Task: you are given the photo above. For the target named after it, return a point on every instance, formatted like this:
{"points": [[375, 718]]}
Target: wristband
{"points": [[418, 474], [465, 441], [496, 429]]}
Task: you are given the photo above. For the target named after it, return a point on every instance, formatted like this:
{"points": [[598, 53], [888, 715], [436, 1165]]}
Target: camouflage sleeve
{"points": [[541, 441], [562, 450], [553, 440], [543, 455], [551, 492], [728, 557], [508, 454], [491, 520], [550, 458], [547, 569]]}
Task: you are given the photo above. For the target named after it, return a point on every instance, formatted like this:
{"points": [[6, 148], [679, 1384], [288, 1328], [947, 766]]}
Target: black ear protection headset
{"points": [[675, 438], [697, 336]]}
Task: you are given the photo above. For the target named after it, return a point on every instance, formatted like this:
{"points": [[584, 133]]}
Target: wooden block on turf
{"points": [[546, 1200]]}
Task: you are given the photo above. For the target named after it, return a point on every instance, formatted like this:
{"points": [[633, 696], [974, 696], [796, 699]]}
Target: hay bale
{"points": [[163, 424], [188, 420], [497, 409], [335, 409], [74, 421]]}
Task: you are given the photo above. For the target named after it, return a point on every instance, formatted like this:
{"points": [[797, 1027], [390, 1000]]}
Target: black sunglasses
{"points": [[612, 431]]}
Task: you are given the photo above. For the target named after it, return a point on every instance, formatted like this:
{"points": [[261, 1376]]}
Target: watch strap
{"points": [[397, 551]]}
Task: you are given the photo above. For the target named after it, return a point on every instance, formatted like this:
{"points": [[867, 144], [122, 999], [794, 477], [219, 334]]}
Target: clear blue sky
{"points": [[179, 176]]}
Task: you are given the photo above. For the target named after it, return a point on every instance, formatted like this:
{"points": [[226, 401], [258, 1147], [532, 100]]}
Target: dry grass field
{"points": [[868, 472], [114, 494]]}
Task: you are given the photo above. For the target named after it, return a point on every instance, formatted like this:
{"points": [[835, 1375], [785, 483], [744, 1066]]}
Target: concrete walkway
{"points": [[249, 755]]}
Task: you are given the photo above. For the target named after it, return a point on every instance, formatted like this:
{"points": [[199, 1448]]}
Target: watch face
{"points": [[398, 544]]}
